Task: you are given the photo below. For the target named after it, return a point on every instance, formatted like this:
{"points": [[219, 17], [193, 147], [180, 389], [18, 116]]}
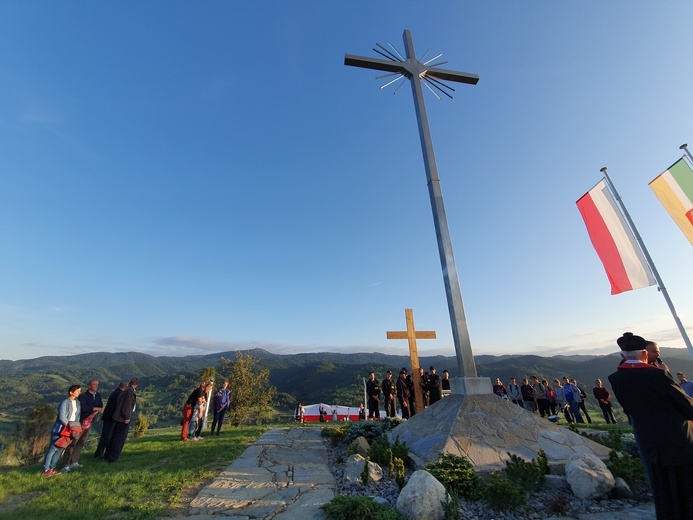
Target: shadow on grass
{"points": [[150, 480]]}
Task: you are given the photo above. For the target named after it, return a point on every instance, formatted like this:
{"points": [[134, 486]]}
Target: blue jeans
{"points": [[53, 454], [575, 410]]}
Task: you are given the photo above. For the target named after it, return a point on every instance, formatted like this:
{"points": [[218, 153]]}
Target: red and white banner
{"points": [[614, 242]]}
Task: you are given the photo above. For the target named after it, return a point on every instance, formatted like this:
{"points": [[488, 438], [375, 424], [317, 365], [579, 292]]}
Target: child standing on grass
{"points": [[196, 420]]}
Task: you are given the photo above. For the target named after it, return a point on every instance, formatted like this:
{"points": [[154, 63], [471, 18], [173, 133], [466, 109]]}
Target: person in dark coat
{"points": [[445, 382], [389, 388], [403, 394], [373, 392], [221, 403], [434, 385], [107, 418], [122, 415], [661, 415]]}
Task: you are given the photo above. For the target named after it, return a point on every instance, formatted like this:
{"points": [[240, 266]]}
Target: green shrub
{"points": [[380, 450], [364, 472], [344, 507], [502, 494], [336, 435], [141, 426], [395, 421], [527, 475], [399, 472], [458, 476], [371, 430], [629, 468], [451, 507]]}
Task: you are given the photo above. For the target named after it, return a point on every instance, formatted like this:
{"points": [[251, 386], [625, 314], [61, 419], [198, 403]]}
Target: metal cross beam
{"points": [[412, 335], [418, 72]]}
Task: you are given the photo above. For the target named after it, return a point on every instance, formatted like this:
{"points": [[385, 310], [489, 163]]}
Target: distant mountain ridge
{"points": [[504, 366]]}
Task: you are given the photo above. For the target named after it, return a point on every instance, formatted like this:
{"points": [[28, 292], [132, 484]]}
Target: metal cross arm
{"points": [[410, 67]]}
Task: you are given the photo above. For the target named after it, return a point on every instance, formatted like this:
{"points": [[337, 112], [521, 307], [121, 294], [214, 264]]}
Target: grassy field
{"points": [[156, 476]]}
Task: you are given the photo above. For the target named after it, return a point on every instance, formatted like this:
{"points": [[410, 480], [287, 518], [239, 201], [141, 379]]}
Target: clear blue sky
{"points": [[185, 178]]}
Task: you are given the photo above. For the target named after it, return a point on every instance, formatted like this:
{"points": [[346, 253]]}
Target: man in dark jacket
{"points": [[434, 385], [107, 418], [122, 415], [389, 388], [404, 394], [661, 415], [373, 392]]}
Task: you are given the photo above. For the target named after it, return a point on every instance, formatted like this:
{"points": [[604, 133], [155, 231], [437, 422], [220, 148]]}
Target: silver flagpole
{"points": [[684, 147], [660, 283]]}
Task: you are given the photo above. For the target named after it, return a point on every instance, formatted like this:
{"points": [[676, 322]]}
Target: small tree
{"points": [[208, 374], [31, 436], [251, 393], [144, 421]]}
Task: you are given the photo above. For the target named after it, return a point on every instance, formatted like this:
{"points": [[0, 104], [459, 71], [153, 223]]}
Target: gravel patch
{"points": [[539, 503]]}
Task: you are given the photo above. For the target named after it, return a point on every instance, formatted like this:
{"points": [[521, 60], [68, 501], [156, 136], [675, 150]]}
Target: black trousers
{"points": [[115, 446], [218, 419], [390, 406], [373, 407], [106, 433]]}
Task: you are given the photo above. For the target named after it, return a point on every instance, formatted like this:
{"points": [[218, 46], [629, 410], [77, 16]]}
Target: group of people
{"points": [[195, 410], [400, 392], [74, 421], [549, 399]]}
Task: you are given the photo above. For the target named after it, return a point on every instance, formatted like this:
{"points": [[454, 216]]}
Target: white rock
{"points": [[422, 497], [588, 476], [354, 467]]}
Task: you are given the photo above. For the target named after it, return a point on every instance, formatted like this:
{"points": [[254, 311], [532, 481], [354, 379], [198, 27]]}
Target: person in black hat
{"points": [[389, 388], [661, 415]]}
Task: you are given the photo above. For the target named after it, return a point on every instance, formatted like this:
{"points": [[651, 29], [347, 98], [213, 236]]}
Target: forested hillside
{"points": [[165, 382]]}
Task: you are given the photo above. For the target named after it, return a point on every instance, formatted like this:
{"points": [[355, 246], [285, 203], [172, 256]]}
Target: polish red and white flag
{"points": [[616, 246]]}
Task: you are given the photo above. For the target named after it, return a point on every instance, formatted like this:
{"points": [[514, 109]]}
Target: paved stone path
{"points": [[283, 476]]}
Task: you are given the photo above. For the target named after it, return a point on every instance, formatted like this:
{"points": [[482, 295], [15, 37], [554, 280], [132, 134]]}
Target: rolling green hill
{"points": [[166, 381]]}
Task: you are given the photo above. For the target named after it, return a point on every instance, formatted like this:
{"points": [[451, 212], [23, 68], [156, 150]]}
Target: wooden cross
{"points": [[412, 335]]}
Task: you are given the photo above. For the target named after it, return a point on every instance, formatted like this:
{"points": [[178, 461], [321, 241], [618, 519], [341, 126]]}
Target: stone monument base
{"points": [[471, 385], [484, 428]]}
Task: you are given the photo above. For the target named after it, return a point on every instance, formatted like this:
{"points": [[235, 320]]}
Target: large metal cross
{"points": [[418, 72]]}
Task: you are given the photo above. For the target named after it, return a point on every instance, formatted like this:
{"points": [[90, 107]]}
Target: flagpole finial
{"points": [[603, 170], [683, 146]]}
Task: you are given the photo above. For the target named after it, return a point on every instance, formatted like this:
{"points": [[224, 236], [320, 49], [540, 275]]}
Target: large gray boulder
{"points": [[621, 489], [360, 446], [556, 483], [588, 476], [422, 497], [354, 467]]}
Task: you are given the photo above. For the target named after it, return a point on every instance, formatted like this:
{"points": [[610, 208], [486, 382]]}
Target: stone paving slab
{"points": [[283, 476]]}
